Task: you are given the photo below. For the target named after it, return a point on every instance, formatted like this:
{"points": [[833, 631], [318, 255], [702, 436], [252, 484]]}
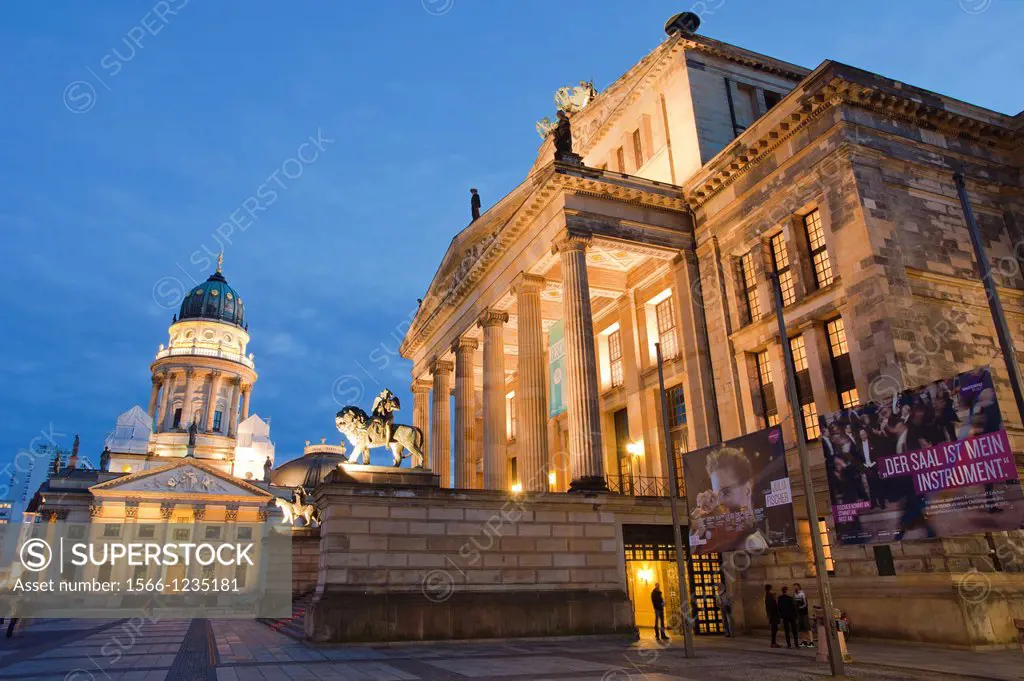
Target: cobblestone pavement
{"points": [[238, 650]]}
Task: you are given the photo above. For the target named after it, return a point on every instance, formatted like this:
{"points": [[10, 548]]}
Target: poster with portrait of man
{"points": [[739, 495], [933, 461]]}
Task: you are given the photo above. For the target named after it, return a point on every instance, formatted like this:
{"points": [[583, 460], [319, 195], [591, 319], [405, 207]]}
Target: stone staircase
{"points": [[294, 626]]}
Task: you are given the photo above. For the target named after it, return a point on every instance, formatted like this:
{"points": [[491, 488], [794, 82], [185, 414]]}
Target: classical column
{"points": [[246, 392], [211, 400], [495, 459], [585, 447], [421, 413], [167, 403], [532, 438], [440, 420], [233, 407], [186, 401], [154, 394], [464, 349]]}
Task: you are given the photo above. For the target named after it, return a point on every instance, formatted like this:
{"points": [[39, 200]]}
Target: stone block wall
{"points": [[305, 560], [403, 564]]}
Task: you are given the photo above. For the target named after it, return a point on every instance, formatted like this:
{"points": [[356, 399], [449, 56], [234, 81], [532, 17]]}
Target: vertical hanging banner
{"points": [[934, 461], [556, 369], [739, 495]]}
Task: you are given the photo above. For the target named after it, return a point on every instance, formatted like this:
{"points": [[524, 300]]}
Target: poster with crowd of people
{"points": [[739, 495], [934, 461]]}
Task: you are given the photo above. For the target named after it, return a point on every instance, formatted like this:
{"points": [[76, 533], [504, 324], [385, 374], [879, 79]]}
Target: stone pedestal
{"points": [[358, 474], [418, 563]]}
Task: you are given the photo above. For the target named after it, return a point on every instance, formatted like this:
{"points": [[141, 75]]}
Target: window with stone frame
{"points": [[218, 417], [842, 368], [615, 357], [748, 280], [177, 418], [620, 160], [666, 318], [638, 148], [820, 262], [780, 265], [808, 410], [766, 388]]}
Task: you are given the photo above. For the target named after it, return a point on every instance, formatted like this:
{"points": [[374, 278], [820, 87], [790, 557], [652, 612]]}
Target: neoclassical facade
{"points": [[706, 167]]}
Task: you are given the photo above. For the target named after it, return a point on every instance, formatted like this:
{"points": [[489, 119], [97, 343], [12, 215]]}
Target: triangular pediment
{"points": [[186, 477]]}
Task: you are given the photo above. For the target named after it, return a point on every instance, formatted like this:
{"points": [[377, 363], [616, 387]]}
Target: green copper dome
{"points": [[215, 300]]}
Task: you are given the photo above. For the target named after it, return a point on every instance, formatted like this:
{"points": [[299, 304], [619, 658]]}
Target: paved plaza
{"points": [[219, 650]]}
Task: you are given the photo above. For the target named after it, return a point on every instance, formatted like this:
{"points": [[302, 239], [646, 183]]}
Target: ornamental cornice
{"points": [[760, 141]]}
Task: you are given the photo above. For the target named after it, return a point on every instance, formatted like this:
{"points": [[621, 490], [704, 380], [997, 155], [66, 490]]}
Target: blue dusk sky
{"points": [[133, 130]]}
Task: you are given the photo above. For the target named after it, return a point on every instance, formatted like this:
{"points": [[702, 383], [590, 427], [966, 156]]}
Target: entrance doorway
{"points": [[650, 559]]}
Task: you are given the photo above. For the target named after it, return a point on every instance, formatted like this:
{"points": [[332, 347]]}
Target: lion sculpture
{"points": [[366, 431]]}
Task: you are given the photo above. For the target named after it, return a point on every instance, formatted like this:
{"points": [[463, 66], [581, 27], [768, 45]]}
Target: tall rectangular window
{"points": [[842, 368], [676, 407], [808, 410], [766, 388], [667, 328], [615, 357], [750, 286], [511, 420], [826, 546], [177, 418], [638, 148], [780, 263], [819, 255], [620, 160], [217, 418]]}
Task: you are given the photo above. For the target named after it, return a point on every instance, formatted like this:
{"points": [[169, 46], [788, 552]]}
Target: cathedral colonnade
{"points": [[215, 399]]}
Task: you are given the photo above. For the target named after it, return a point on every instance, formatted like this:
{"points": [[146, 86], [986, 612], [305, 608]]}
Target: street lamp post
{"points": [[834, 656], [673, 497]]}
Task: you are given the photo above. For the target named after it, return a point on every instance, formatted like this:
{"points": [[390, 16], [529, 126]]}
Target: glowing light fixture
{"points": [[635, 448], [552, 478], [127, 469], [645, 574], [517, 487]]}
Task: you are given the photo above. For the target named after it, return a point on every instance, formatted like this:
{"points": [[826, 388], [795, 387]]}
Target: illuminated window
{"points": [[615, 357], [511, 421], [810, 415], [666, 328], [796, 345], [819, 256], [638, 149], [808, 411], [842, 368], [766, 388], [826, 546], [780, 263], [750, 286]]}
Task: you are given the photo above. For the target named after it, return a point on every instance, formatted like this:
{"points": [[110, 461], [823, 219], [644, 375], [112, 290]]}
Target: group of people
{"points": [[791, 610]]}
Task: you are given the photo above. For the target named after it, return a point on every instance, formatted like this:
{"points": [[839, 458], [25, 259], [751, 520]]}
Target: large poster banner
{"points": [[739, 495], [556, 369], [934, 461]]}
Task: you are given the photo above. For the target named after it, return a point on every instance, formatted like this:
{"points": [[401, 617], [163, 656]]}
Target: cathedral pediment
{"points": [[187, 478]]}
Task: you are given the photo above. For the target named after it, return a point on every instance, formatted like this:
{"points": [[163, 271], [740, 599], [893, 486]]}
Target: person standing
{"points": [[725, 605], [803, 617], [474, 203], [771, 609], [787, 612], [658, 601]]}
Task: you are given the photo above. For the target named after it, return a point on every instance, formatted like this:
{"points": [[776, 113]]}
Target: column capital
{"points": [[246, 387], [465, 343], [441, 366], [528, 283], [158, 379], [491, 317], [571, 241], [190, 372], [421, 386]]}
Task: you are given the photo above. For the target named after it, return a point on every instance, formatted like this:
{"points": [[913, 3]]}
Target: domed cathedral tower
{"points": [[204, 377]]}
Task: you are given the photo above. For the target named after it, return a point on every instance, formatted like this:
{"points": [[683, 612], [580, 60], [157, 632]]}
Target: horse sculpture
{"points": [[379, 430], [293, 510]]}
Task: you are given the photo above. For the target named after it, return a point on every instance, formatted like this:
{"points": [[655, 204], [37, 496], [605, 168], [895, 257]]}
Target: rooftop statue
{"points": [[573, 99], [379, 430]]}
